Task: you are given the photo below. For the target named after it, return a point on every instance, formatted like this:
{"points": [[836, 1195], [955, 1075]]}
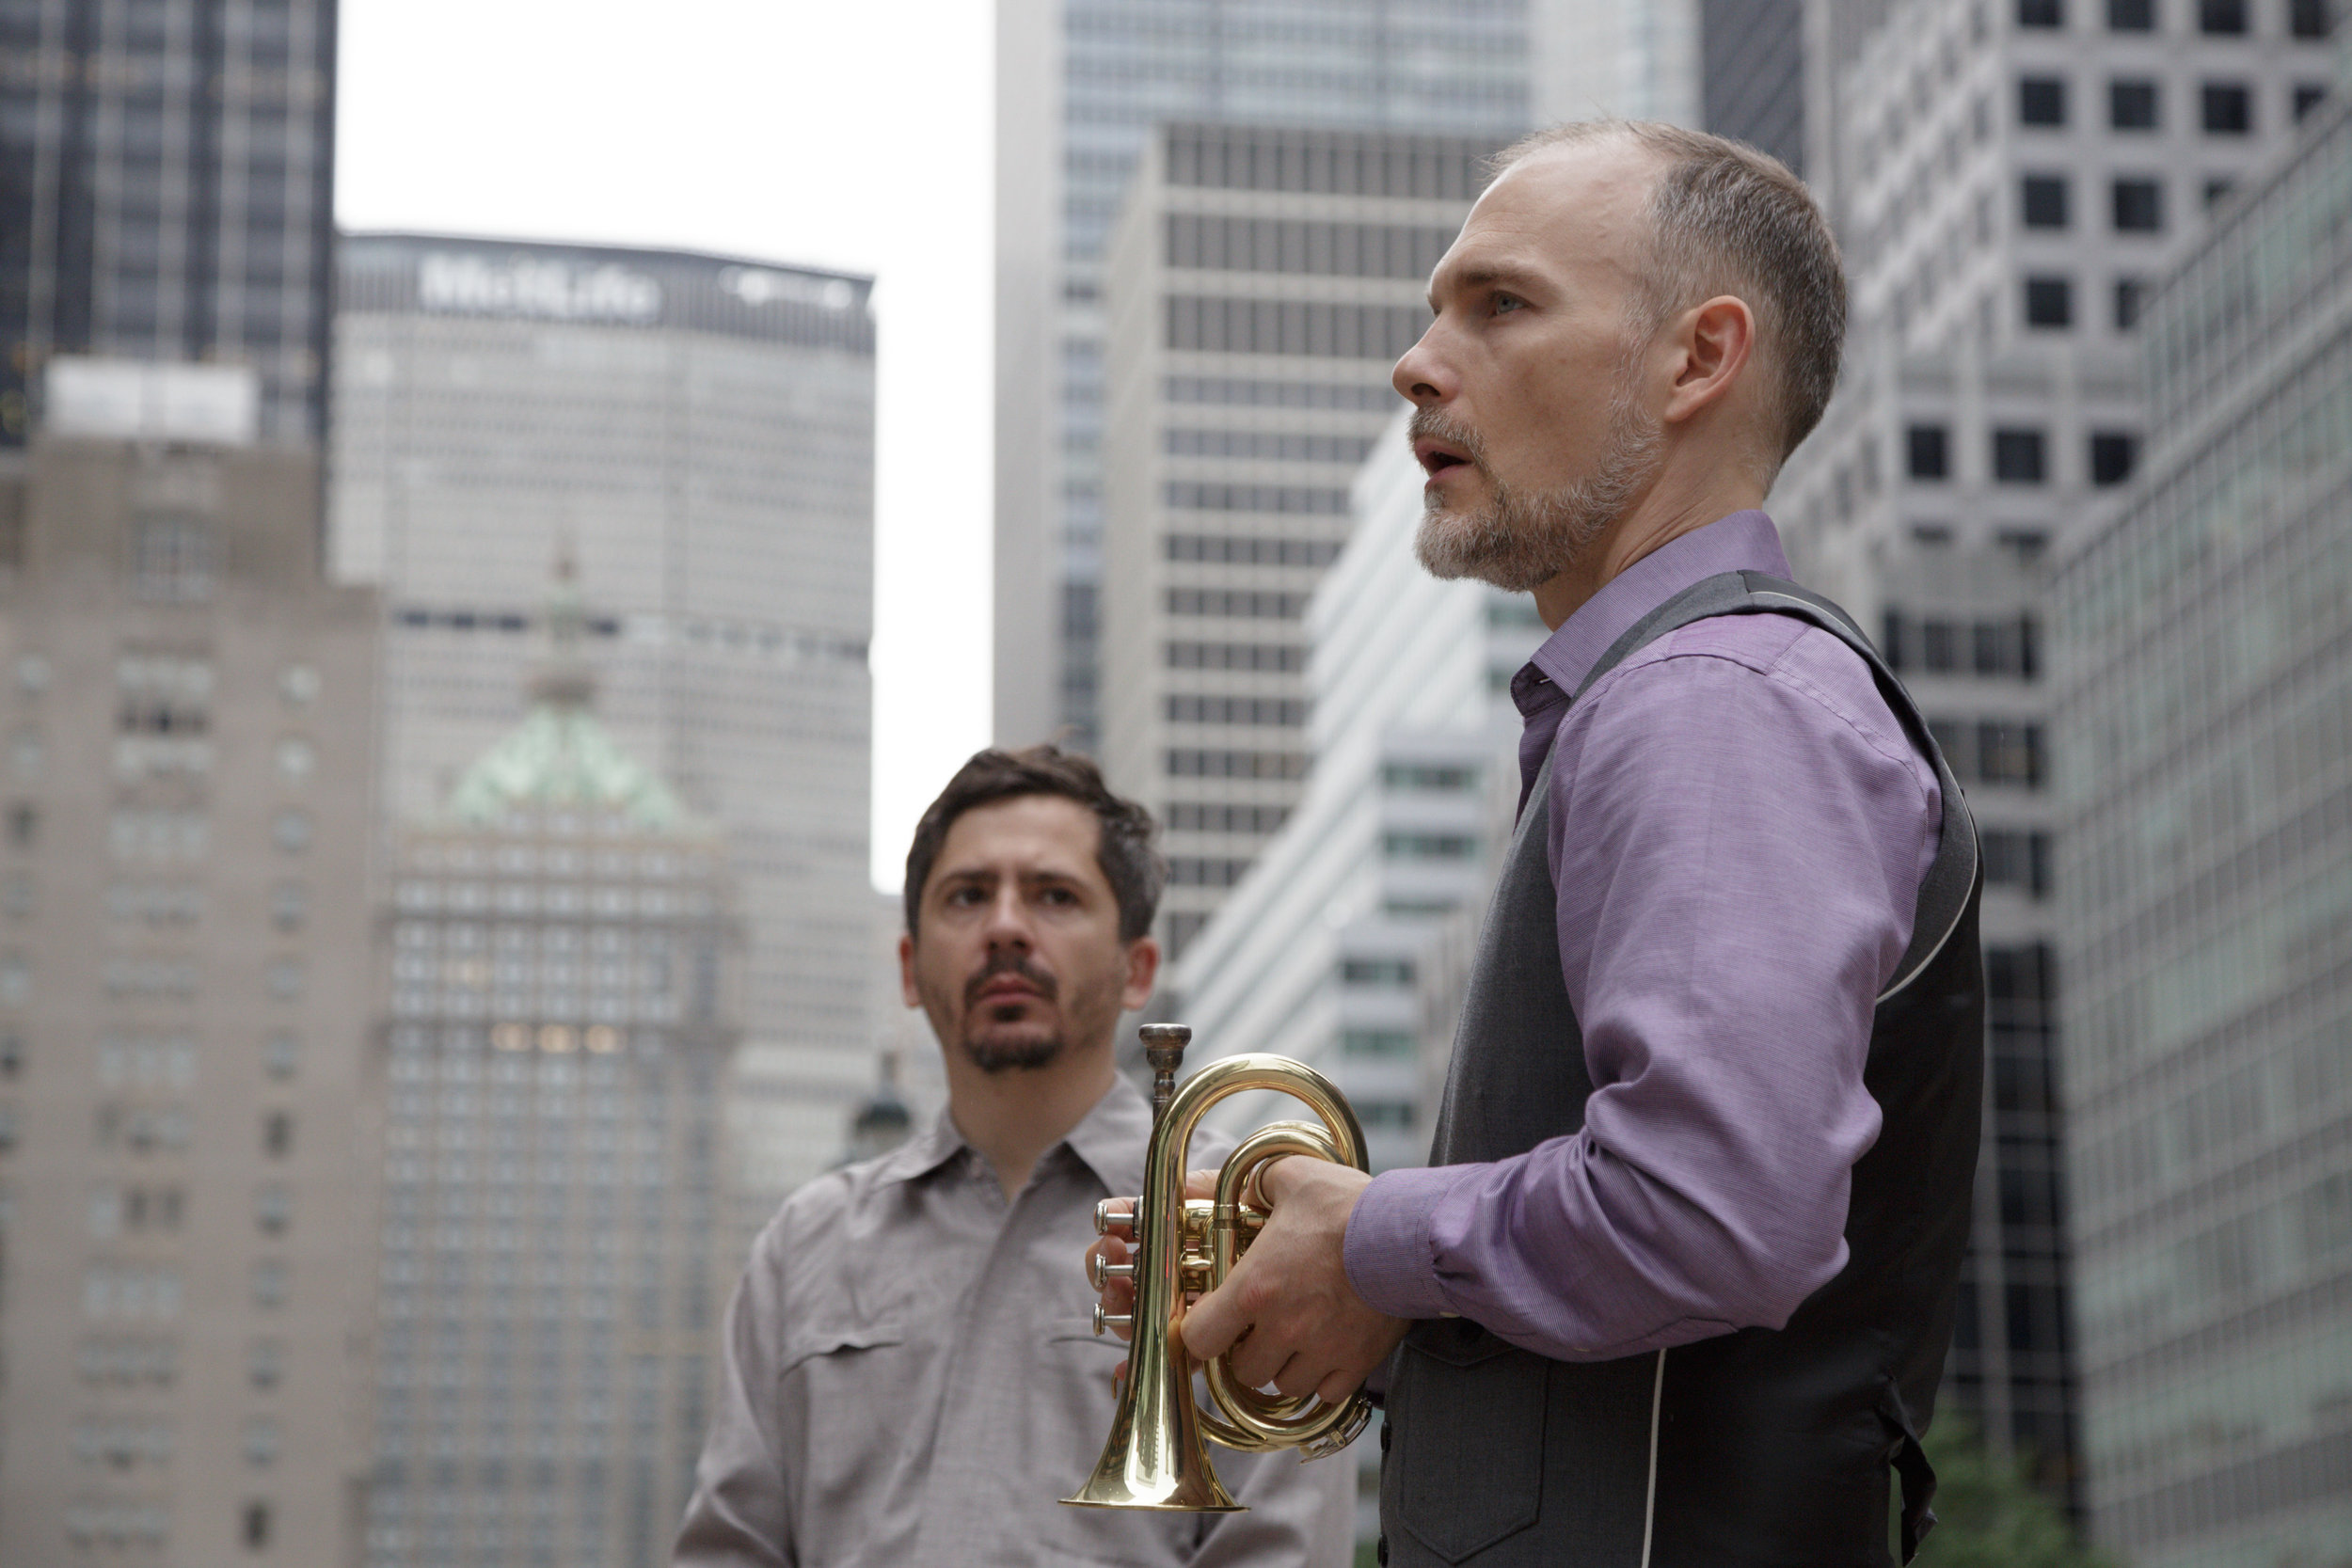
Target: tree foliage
{"points": [[1990, 1516]]}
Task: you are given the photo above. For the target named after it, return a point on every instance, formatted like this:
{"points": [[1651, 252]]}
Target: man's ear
{"points": [[913, 997], [1715, 342], [1143, 971]]}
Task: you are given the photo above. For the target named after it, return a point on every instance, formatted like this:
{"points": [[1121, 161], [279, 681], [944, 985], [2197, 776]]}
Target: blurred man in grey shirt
{"points": [[912, 1376]]}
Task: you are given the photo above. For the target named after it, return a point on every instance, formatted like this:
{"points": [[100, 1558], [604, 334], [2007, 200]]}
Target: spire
{"points": [[563, 679]]}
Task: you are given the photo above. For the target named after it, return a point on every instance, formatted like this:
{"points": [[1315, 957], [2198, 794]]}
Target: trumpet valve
{"points": [[1110, 1221], [1110, 1319], [1102, 1271]]}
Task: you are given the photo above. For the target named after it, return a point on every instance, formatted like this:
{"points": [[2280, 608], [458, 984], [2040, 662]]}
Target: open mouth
{"points": [[1438, 457]]}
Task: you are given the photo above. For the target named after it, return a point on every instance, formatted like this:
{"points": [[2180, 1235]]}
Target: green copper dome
{"points": [[561, 758]]}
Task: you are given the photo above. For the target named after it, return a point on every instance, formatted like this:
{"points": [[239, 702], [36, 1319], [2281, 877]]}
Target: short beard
{"points": [[1521, 540], [1015, 1056]]}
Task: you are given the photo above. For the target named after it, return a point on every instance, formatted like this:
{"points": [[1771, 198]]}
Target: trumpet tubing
{"points": [[1156, 1456]]}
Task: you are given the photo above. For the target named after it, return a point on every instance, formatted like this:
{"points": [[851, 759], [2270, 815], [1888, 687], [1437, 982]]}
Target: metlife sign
{"points": [[539, 287]]}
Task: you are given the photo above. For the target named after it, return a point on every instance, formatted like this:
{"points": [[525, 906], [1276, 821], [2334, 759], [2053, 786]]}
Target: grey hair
{"points": [[1727, 220]]}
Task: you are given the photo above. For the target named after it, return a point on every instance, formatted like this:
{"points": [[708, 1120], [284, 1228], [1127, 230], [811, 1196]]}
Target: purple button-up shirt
{"points": [[1738, 830]]}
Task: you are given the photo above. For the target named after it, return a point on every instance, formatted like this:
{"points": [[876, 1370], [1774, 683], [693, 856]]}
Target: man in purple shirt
{"points": [[1675, 1286]]}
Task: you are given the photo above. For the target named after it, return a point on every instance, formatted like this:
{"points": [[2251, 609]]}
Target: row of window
{"points": [[1313, 329], [1187, 763], [2136, 103], [2301, 19], [1324, 163], [1282, 658], [1194, 817], [1196, 871], [1194, 497], [2018, 859], [1362, 398], [1266, 446], [2020, 455], [1993, 751], [1214, 243], [2007, 645], [1243, 551], [1185, 708], [2135, 204], [1263, 603], [1429, 846]]}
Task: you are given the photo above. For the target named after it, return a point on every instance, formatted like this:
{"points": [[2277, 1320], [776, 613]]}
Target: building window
{"points": [[278, 1133], [269, 1283], [2131, 293], [172, 559], [2229, 108], [256, 1527], [261, 1441], [2307, 96], [2017, 859], [265, 1363], [2113, 455], [24, 825], [2217, 192], [2049, 302], [273, 1207], [2308, 19], [289, 829], [1928, 448], [2041, 13], [1375, 1042], [2043, 200], [2042, 100], [2132, 104], [2138, 207], [2131, 16], [2223, 17], [279, 1053], [1377, 972], [2019, 456]]}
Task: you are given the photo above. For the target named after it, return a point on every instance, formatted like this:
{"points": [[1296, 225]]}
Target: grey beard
{"points": [[1522, 539]]}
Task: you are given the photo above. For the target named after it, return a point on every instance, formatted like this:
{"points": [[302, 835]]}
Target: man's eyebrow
{"points": [[1484, 274]]}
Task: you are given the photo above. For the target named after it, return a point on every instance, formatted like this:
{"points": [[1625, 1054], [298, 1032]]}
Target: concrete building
{"points": [[2205, 723], [1080, 85], [169, 196], [190, 713], [1263, 283], [698, 432], [1640, 61], [2012, 177], [562, 970], [1318, 954]]}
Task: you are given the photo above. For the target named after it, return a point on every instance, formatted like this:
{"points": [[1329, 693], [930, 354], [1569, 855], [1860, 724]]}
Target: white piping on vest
{"points": [[1649, 1502]]}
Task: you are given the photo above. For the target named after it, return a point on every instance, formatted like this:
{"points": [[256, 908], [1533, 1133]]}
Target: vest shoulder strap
{"points": [[1952, 878]]}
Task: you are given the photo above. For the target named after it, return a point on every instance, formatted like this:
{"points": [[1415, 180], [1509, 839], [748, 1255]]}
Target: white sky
{"points": [[853, 135]]}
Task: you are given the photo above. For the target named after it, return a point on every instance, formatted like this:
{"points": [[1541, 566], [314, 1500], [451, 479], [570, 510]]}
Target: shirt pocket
{"points": [[859, 1391]]}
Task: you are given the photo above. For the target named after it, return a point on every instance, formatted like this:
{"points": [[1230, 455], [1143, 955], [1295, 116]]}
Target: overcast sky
{"points": [[845, 135]]}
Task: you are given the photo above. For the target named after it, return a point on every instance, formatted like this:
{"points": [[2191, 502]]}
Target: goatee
{"points": [[1015, 1055], [1522, 539]]}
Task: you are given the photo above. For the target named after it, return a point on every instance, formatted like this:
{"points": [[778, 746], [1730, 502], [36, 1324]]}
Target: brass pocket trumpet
{"points": [[1156, 1457]]}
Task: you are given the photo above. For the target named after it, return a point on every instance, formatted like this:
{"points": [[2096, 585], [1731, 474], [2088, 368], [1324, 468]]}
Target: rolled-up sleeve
{"points": [[1737, 848], [740, 1514]]}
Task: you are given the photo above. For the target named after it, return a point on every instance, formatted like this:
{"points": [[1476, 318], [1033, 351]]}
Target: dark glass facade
{"points": [[167, 194]]}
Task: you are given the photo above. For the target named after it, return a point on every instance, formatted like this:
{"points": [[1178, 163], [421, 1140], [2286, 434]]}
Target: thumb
{"points": [[1211, 1325]]}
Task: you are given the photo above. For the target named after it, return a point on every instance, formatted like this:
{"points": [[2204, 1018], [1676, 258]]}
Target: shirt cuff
{"points": [[1389, 1255]]}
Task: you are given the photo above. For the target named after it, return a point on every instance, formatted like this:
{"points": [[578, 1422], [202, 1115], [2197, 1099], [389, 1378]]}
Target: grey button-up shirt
{"points": [[913, 1379]]}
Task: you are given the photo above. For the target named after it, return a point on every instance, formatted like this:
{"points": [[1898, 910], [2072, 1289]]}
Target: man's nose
{"points": [[1422, 377], [1007, 924]]}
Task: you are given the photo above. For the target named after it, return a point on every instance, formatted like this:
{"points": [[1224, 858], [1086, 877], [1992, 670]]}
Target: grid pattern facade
{"points": [[1106, 71], [2008, 193], [2207, 867], [169, 194], [188, 712], [699, 433], [555, 1239], [1263, 283]]}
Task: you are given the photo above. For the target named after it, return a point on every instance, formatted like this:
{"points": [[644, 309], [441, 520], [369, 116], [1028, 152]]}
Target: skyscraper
{"points": [[168, 194], [1080, 83], [1263, 283], [697, 432], [562, 969], [2205, 724], [190, 714], [2012, 177]]}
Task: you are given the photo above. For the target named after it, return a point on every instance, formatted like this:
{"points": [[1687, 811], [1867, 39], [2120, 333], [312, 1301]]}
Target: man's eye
{"points": [[1504, 304], [1059, 895], [965, 897]]}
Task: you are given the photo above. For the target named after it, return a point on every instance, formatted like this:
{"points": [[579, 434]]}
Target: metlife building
{"points": [[696, 433]]}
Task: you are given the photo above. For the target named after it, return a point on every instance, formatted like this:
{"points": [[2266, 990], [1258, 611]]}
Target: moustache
{"points": [[1430, 422], [1009, 963]]}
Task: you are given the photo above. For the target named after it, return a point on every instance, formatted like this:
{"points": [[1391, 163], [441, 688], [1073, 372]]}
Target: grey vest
{"points": [[1758, 1447]]}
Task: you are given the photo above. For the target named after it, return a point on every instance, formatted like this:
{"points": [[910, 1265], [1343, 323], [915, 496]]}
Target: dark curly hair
{"points": [[1130, 863]]}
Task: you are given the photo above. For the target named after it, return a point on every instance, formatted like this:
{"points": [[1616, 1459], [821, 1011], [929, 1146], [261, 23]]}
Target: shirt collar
{"points": [[1109, 1140], [1744, 541]]}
